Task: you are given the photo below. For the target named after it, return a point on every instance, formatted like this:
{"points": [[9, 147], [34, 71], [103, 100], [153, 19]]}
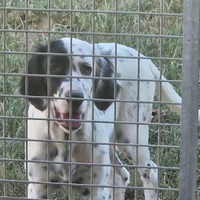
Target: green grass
{"points": [[83, 23]]}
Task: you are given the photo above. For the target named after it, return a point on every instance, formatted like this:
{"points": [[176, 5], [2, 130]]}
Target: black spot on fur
{"points": [[86, 192], [82, 56], [83, 170], [55, 180], [144, 117], [119, 135], [118, 75], [102, 112], [53, 153], [95, 145], [65, 155], [129, 156], [44, 196], [129, 53], [44, 168], [38, 157], [102, 151], [74, 67], [66, 137], [65, 181], [148, 164], [145, 176], [125, 179], [126, 140], [129, 83], [134, 106], [79, 180]]}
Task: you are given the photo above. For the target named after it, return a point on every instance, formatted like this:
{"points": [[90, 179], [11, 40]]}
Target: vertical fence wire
{"points": [[4, 99], [26, 102], [190, 87], [160, 95], [138, 95]]}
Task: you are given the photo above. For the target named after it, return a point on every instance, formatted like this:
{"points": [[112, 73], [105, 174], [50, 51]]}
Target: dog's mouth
{"points": [[70, 121]]}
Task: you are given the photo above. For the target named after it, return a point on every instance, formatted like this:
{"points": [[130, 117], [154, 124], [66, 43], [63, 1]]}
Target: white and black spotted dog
{"points": [[71, 109]]}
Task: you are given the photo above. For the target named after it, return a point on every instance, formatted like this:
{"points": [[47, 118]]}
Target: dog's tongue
{"points": [[72, 124]]}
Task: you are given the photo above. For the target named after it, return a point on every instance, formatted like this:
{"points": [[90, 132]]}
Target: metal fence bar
{"points": [[190, 87]]}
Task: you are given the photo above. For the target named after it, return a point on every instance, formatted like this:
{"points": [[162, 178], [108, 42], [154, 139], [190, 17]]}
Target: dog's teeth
{"points": [[64, 116]]}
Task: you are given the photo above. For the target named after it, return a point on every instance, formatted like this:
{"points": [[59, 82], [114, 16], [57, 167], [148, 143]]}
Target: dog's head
{"points": [[64, 70]]}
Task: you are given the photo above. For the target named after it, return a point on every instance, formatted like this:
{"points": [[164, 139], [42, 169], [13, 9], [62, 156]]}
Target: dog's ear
{"points": [[105, 88], [33, 85]]}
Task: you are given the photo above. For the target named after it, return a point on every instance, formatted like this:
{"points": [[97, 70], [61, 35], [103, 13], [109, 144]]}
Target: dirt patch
{"points": [[43, 24]]}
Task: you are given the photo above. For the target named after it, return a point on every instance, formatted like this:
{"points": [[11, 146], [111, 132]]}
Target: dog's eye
{"points": [[54, 68], [86, 69]]}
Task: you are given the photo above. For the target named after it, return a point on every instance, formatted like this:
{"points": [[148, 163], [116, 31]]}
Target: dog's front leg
{"points": [[119, 176], [37, 191], [37, 172]]}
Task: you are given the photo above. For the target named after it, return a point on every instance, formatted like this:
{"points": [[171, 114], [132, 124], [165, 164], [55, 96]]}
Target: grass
{"points": [[62, 22]]}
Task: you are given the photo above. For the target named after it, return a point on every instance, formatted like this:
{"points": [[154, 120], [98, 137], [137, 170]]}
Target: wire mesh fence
{"points": [[72, 159]]}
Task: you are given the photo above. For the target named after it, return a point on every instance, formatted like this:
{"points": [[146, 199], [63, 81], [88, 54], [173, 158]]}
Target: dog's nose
{"points": [[78, 98]]}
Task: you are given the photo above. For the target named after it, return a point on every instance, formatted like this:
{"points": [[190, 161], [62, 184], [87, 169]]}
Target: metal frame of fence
{"points": [[190, 86]]}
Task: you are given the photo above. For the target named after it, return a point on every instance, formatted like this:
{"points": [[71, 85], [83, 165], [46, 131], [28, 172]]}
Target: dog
{"points": [[84, 98]]}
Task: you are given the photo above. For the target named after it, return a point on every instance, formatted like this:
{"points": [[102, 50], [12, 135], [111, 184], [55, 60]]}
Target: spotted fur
{"points": [[70, 111], [71, 105]]}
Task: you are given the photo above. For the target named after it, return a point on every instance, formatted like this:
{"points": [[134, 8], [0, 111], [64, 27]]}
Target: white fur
{"points": [[138, 87]]}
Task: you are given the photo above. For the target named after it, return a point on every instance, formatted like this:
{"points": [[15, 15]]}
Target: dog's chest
{"points": [[67, 157], [71, 154], [59, 153]]}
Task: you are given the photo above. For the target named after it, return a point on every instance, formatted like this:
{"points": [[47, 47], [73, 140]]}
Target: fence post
{"points": [[190, 87]]}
